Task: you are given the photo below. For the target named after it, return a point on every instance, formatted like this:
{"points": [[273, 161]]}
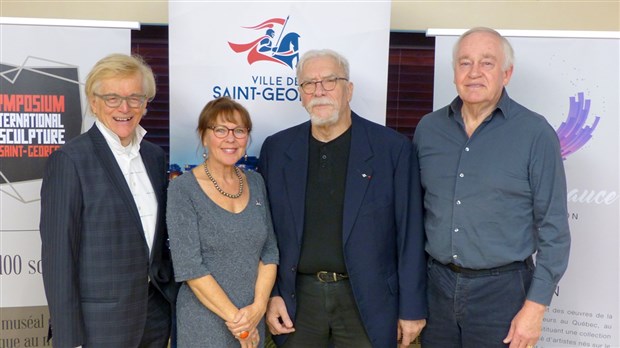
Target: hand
{"points": [[408, 330], [254, 338], [251, 341], [246, 319], [526, 327], [278, 320]]}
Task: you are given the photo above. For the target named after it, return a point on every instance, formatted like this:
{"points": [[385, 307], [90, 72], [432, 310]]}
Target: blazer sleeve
{"points": [[411, 258], [60, 225]]}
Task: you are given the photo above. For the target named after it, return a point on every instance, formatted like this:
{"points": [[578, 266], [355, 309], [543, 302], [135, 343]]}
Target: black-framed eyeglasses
{"points": [[328, 84], [222, 132], [115, 100]]}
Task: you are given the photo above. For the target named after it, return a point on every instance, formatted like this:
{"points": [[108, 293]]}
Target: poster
{"points": [[251, 57]]}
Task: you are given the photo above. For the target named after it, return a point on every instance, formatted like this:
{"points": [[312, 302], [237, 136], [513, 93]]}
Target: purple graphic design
{"points": [[573, 133]]}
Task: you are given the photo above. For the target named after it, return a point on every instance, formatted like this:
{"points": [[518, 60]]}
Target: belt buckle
{"points": [[320, 274], [454, 268]]}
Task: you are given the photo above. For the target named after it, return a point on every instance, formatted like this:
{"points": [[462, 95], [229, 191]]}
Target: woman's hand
{"points": [[251, 341], [246, 319]]}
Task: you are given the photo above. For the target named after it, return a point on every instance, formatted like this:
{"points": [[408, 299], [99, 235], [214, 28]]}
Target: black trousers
{"points": [[327, 316], [158, 321]]}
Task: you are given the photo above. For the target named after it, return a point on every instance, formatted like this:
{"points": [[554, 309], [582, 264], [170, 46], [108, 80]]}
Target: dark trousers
{"points": [[470, 310], [158, 321], [327, 316]]}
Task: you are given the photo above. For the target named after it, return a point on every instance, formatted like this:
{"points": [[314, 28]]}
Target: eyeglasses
{"points": [[328, 84], [115, 100], [222, 132]]}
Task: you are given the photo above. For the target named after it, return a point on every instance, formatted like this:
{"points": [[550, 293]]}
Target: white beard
{"points": [[327, 121], [322, 121]]}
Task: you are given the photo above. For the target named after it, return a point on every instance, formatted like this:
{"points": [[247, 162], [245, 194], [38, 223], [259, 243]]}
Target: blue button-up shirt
{"points": [[498, 196]]}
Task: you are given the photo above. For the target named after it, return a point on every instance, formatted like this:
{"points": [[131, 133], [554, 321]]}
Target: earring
{"points": [[204, 155], [245, 158]]}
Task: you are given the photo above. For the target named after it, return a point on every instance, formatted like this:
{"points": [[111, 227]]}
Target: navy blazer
{"points": [[96, 264], [382, 231]]}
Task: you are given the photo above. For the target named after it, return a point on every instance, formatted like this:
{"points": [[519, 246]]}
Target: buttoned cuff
{"points": [[541, 291]]}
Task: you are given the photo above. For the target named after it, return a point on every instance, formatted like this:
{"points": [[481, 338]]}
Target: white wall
{"points": [[406, 15]]}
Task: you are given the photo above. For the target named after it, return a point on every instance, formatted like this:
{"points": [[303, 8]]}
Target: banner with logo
{"points": [[249, 50], [572, 78], [43, 65]]}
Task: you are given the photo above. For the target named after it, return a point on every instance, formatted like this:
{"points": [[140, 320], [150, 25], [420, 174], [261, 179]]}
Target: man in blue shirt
{"points": [[494, 195]]}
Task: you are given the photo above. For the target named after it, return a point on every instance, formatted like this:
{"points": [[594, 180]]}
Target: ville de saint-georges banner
{"points": [[43, 65], [249, 51], [571, 78]]}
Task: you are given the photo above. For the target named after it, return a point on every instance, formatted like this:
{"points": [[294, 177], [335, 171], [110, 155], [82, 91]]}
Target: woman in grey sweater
{"points": [[222, 241]]}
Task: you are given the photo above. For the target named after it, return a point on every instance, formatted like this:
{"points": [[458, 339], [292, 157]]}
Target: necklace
{"points": [[219, 189]]}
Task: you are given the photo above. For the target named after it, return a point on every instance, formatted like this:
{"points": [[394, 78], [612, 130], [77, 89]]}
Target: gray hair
{"points": [[343, 63], [509, 55], [119, 65]]}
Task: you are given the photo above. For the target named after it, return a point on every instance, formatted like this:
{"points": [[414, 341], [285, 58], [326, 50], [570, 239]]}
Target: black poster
{"points": [[40, 110]]}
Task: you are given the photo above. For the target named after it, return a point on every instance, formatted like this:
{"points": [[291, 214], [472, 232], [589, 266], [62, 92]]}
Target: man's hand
{"points": [[408, 330], [277, 317], [526, 327]]}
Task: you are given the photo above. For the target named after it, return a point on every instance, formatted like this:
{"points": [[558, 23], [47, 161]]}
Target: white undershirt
{"points": [[130, 162]]}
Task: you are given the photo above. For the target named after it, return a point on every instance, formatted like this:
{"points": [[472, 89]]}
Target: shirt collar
{"points": [[503, 105], [114, 142]]}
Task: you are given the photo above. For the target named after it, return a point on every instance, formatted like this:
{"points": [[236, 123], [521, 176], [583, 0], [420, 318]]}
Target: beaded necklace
{"points": [[219, 189]]}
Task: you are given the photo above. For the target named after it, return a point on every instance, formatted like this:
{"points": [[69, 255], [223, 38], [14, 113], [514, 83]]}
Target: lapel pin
{"points": [[366, 176], [258, 203]]}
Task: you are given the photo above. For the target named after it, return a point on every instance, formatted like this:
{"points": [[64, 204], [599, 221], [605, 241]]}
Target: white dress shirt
{"points": [[130, 163]]}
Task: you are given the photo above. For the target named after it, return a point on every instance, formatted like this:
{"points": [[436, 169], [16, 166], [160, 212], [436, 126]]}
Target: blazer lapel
{"points": [[359, 174], [153, 170], [295, 176], [113, 172]]}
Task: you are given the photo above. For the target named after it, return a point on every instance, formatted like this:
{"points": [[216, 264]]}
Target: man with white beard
{"points": [[346, 206]]}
